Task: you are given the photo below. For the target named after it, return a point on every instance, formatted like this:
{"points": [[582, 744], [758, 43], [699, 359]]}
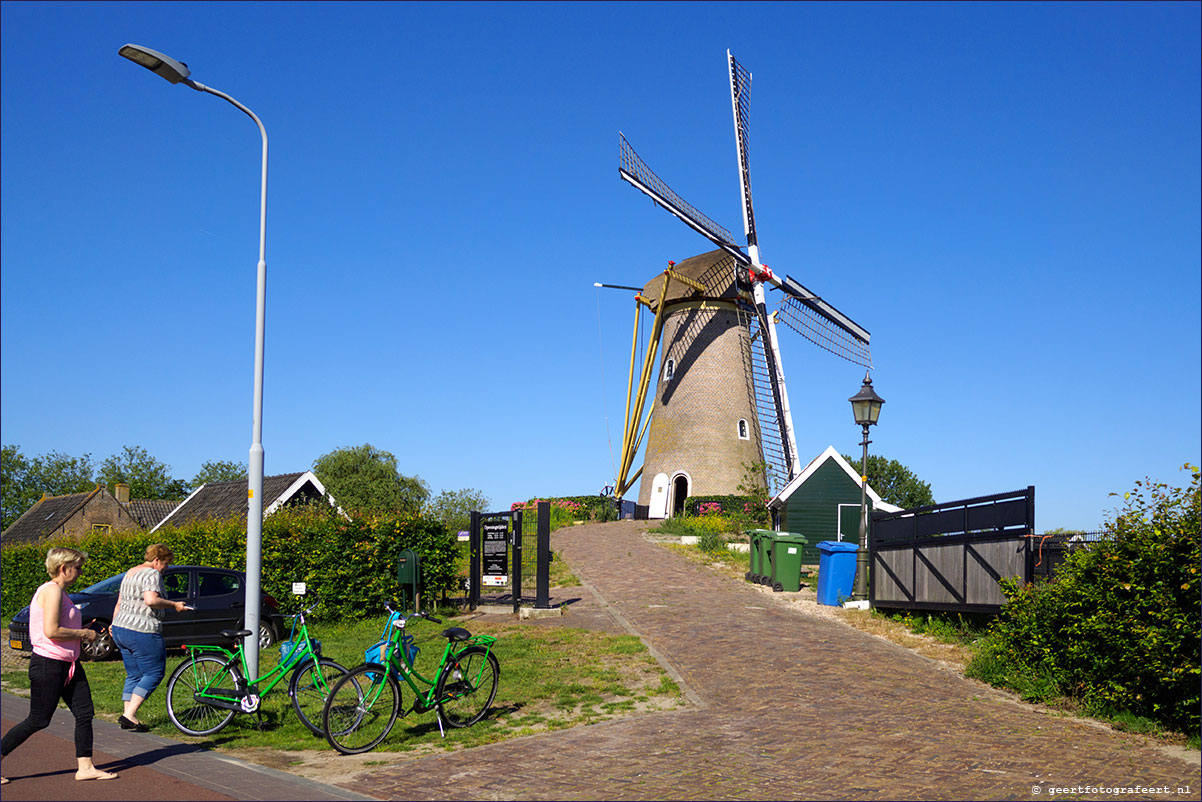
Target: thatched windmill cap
{"points": [[714, 270]]}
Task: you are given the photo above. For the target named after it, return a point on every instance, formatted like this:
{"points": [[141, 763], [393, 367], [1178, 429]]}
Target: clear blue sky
{"points": [[1006, 196]]}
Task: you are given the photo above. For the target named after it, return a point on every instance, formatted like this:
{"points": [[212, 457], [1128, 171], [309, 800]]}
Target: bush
{"points": [[569, 509], [712, 543], [744, 512], [1118, 626], [349, 565]]}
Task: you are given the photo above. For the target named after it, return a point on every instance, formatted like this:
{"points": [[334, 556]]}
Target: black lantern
{"points": [[866, 404]]}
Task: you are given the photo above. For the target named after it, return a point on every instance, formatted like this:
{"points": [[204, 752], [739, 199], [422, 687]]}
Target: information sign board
{"points": [[495, 551]]}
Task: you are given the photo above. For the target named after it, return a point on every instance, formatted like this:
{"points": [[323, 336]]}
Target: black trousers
{"points": [[47, 684]]}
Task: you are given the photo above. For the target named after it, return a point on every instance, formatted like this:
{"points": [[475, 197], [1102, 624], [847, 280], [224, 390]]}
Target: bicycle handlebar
{"points": [[389, 607]]}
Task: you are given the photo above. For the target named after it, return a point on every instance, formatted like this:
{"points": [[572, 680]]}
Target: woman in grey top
{"points": [[138, 631]]}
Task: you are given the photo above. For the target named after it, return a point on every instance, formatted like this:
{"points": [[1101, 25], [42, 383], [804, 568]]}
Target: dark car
{"points": [[218, 595]]}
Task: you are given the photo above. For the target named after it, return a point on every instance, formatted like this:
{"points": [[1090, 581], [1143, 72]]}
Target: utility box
{"points": [[409, 575], [408, 568]]}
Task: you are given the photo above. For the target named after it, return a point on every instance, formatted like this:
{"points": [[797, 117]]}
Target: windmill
{"points": [[720, 402]]}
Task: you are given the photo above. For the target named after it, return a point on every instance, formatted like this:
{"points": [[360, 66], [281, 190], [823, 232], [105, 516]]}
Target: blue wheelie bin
{"points": [[836, 571]]}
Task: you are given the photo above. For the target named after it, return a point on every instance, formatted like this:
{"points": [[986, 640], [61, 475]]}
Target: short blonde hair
{"points": [[159, 551], [60, 557]]}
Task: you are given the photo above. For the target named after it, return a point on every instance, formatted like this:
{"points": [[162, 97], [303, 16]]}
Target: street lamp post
{"points": [[866, 407], [177, 72]]}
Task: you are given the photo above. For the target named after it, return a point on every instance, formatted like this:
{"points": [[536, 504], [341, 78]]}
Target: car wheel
{"points": [[103, 647], [266, 635]]}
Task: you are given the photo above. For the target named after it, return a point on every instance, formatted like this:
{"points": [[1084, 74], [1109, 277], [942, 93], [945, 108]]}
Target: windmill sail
{"points": [[635, 171], [740, 102], [823, 325]]}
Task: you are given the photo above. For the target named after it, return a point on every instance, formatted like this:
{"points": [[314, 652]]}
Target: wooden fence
{"points": [[950, 556]]}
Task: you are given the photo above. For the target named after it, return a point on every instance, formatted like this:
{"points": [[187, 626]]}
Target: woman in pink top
{"points": [[54, 668]]}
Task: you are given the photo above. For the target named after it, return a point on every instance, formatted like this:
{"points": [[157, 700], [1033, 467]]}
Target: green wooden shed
{"points": [[823, 503]]}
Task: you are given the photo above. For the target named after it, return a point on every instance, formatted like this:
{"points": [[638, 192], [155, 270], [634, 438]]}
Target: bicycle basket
{"points": [[291, 653], [376, 652]]}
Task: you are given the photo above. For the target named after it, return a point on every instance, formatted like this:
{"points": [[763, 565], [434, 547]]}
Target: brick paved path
{"points": [[786, 707]]}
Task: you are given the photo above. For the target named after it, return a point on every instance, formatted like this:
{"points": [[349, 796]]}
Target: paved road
{"points": [[149, 768], [785, 707]]}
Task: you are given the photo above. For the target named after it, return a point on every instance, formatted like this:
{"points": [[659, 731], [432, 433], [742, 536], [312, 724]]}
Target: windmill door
{"points": [[657, 507]]}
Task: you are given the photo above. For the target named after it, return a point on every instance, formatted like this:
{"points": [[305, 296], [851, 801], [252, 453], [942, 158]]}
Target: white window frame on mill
{"points": [[743, 430], [669, 370]]}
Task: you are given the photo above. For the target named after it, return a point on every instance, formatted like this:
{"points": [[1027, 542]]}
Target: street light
{"points": [[866, 407], [177, 72]]}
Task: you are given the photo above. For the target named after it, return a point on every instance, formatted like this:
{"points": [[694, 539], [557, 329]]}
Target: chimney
{"points": [[121, 491]]}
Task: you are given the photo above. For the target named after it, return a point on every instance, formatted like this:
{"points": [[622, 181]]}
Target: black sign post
{"points": [[516, 584], [543, 562]]}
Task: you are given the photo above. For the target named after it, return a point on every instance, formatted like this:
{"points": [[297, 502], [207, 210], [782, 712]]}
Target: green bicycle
{"points": [[363, 706], [209, 688]]}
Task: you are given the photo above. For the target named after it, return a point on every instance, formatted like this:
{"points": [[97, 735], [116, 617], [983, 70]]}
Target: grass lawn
{"points": [[551, 678]]}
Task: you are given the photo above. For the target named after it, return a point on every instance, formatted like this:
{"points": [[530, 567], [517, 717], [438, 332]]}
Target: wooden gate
{"points": [[950, 556]]}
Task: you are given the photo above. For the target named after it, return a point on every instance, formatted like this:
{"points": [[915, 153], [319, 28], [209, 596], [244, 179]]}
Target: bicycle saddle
{"points": [[456, 634], [234, 634]]}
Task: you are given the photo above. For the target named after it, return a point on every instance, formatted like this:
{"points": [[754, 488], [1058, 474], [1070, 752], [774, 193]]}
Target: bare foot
{"points": [[94, 774]]}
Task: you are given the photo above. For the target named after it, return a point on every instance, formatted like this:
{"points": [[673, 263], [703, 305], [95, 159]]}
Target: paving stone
{"points": [[785, 707]]}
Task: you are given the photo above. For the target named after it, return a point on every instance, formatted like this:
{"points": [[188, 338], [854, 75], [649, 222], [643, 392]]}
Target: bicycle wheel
{"points": [[467, 686], [361, 709], [190, 715], [310, 684]]}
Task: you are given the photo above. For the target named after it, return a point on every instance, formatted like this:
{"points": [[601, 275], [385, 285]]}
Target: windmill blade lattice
{"points": [[740, 96], [772, 441], [823, 332], [636, 171]]}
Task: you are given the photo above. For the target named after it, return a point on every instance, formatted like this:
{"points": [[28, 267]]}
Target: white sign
{"points": [[298, 588], [495, 580]]}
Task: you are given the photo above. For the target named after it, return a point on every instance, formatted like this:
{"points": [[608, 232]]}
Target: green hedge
{"points": [[750, 509], [1118, 627], [567, 509], [350, 565]]}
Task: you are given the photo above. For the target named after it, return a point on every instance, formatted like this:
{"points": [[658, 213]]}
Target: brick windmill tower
{"points": [[719, 403], [704, 427]]}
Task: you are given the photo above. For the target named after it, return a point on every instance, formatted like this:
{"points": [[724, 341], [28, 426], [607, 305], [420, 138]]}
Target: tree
{"points": [[24, 479], [146, 476], [895, 483], [219, 471], [365, 479], [453, 507]]}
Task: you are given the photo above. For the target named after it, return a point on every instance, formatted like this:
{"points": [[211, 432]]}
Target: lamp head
{"points": [[866, 404], [165, 66]]}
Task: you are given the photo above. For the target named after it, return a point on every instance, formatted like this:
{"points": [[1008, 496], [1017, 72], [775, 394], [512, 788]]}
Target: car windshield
{"points": [[110, 585]]}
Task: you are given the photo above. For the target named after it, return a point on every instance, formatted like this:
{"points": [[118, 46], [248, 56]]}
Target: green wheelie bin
{"points": [[786, 557], [758, 539]]}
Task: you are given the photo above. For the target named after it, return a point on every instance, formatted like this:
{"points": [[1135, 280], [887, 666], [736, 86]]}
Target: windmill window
{"points": [[102, 529], [743, 429], [669, 369]]}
